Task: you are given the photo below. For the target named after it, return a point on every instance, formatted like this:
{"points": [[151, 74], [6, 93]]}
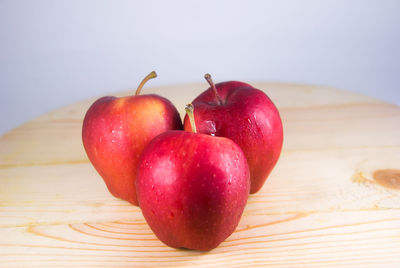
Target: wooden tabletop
{"points": [[333, 198]]}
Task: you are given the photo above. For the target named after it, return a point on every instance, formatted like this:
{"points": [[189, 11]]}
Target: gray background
{"points": [[53, 53]]}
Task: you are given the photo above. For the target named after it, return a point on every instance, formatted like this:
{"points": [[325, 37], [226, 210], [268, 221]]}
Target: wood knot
{"points": [[389, 178]]}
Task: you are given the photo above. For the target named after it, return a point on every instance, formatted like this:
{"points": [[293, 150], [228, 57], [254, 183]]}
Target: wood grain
{"points": [[330, 201]]}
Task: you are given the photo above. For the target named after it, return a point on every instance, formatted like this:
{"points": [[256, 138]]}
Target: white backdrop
{"points": [[54, 53]]}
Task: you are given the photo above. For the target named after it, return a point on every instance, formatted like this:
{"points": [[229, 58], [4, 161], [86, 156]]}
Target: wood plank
{"points": [[365, 238], [321, 205]]}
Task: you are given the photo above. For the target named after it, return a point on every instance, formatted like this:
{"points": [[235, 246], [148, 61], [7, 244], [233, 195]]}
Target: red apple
{"points": [[116, 130], [246, 115], [192, 188]]}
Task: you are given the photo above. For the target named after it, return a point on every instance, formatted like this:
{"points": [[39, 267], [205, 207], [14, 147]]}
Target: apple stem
{"points": [[190, 112], [147, 78], [207, 76]]}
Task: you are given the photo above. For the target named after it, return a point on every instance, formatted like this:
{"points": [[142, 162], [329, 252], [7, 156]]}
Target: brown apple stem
{"points": [[147, 78], [207, 76], [189, 110]]}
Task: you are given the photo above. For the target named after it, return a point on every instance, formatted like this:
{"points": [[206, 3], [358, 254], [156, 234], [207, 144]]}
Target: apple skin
{"points": [[192, 188], [116, 130], [248, 117]]}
